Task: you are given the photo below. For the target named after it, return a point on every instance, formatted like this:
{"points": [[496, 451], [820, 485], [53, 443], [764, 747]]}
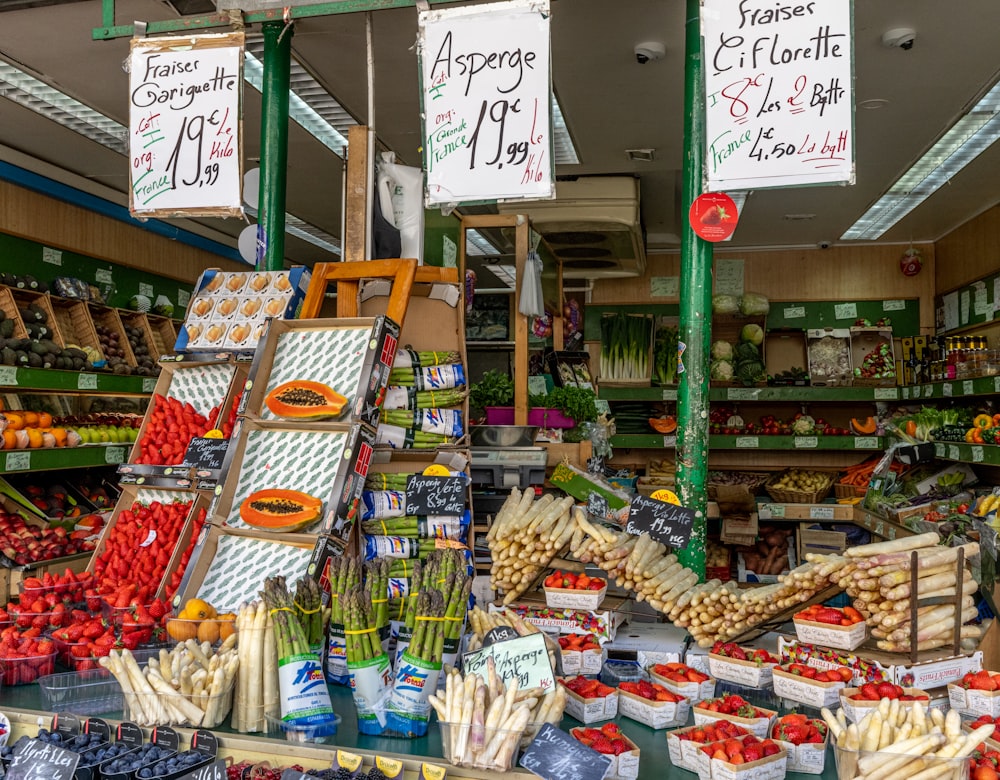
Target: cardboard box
{"points": [[743, 574], [856, 709], [326, 460], [778, 511], [624, 766], [808, 758], [785, 350], [830, 372], [585, 662], [767, 768], [655, 714], [228, 309], [973, 702], [812, 693], [351, 356], [571, 598], [865, 341], [603, 625], [689, 690], [759, 727], [827, 635], [747, 673], [927, 485], [684, 752], [591, 710], [819, 541]]}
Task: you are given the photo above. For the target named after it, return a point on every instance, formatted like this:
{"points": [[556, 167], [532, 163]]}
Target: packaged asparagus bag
{"points": [[301, 684]]}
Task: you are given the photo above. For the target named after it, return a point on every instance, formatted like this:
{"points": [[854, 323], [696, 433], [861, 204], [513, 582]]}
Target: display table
{"points": [[23, 705]]}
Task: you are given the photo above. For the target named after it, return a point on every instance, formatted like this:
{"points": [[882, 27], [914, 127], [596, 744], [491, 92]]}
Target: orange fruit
{"points": [[208, 631], [182, 630], [9, 439], [227, 625], [44, 420], [197, 609], [14, 420], [35, 439], [30, 419], [60, 434]]}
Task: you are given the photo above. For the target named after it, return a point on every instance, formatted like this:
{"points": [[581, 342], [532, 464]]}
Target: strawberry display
{"points": [[984, 720], [679, 673], [25, 544], [138, 548], [648, 690], [578, 643], [731, 704], [226, 427], [169, 429], [608, 739], [81, 644], [25, 655], [742, 751], [756, 655], [871, 691], [984, 762], [66, 588], [818, 613], [712, 732], [838, 674], [799, 729], [570, 581], [981, 681], [587, 688]]}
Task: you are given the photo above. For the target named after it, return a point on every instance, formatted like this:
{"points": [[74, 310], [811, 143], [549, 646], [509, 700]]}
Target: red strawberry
{"points": [[619, 746], [886, 690], [870, 692], [603, 745], [753, 753]]}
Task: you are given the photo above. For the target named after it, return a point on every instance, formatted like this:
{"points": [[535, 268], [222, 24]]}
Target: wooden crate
{"points": [[106, 317], [24, 298], [164, 332], [73, 322], [9, 307], [136, 319]]}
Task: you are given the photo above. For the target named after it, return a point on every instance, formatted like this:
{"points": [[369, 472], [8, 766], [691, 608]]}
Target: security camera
{"points": [[653, 50], [824, 244], [899, 38]]}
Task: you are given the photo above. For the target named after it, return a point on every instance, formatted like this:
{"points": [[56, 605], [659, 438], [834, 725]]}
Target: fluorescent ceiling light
{"points": [[971, 135], [478, 245], [562, 143], [43, 99]]}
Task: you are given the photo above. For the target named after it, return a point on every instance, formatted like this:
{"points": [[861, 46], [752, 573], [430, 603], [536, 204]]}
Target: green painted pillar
{"points": [[695, 308], [274, 141]]}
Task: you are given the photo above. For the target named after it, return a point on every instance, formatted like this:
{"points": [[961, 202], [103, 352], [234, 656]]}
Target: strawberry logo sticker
{"points": [[713, 216]]}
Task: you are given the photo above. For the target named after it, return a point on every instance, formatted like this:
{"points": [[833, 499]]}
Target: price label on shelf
{"points": [[954, 453], [845, 311], [996, 384], [8, 375], [880, 528], [669, 442], [967, 388], [18, 461], [805, 442], [795, 312], [977, 453], [747, 442], [114, 455], [769, 511], [928, 391], [148, 384], [669, 394], [891, 533], [821, 512], [896, 305], [886, 394], [742, 394], [947, 389], [865, 442], [906, 393], [86, 381], [939, 450]]}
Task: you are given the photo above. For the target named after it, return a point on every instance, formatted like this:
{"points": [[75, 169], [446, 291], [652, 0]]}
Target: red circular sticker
{"points": [[713, 216]]}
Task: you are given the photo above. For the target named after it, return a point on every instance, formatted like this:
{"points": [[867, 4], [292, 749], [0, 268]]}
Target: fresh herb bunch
{"points": [[494, 389], [577, 403]]}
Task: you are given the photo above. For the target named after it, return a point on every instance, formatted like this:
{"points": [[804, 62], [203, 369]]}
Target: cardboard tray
{"points": [[812, 693], [351, 356], [856, 709], [329, 461]]}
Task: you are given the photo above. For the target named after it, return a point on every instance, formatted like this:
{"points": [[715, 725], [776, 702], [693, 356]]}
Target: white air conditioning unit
{"points": [[592, 226]]}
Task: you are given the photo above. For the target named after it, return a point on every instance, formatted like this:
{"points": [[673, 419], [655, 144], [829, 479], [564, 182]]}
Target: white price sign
{"points": [[8, 375], [865, 442], [967, 388], [668, 394], [184, 126], [114, 455], [18, 461], [805, 442], [747, 442], [886, 394], [86, 382], [486, 90], [742, 394], [779, 93]]}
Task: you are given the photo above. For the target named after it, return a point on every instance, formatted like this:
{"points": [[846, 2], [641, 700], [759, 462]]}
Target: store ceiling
{"points": [[611, 104]]}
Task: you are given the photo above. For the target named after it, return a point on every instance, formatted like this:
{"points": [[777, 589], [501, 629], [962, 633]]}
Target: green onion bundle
{"points": [[625, 344]]}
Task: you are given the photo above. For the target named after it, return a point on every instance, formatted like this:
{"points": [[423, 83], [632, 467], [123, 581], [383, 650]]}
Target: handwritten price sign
{"points": [[184, 126], [779, 103], [486, 102]]}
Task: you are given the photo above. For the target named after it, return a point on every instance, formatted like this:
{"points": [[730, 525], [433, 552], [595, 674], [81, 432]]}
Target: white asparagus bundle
{"points": [[258, 668], [188, 686]]}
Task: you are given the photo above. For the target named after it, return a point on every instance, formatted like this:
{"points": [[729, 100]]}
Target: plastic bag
{"points": [[532, 303], [725, 304], [754, 304], [407, 204], [68, 287]]}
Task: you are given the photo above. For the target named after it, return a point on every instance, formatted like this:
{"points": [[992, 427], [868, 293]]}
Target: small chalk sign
{"points": [[525, 659], [431, 495], [499, 634], [37, 760], [666, 523], [213, 771], [205, 454], [555, 755], [597, 506]]}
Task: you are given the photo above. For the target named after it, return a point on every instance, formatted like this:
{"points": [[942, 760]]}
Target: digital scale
{"points": [[508, 467]]}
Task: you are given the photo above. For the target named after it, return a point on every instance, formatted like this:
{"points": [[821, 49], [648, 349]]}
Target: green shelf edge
{"points": [[987, 454], [953, 388], [64, 458], [728, 442], [20, 379]]}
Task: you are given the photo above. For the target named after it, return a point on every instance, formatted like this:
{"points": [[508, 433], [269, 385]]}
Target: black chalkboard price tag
{"points": [[214, 771], [499, 634], [432, 495], [597, 506], [555, 755], [37, 760], [666, 523], [206, 454]]}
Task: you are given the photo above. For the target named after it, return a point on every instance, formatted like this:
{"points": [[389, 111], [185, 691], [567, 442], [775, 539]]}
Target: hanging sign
{"points": [[184, 132], [779, 93], [665, 521], [486, 93]]}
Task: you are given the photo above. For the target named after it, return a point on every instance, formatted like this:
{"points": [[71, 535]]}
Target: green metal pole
{"points": [[274, 142], [695, 308]]}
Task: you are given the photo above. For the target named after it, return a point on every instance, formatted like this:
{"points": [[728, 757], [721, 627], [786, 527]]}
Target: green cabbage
{"points": [[725, 304], [721, 370], [754, 304], [752, 334], [722, 350]]}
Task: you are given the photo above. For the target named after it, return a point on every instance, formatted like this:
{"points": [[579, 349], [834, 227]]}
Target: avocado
{"points": [[7, 328], [8, 356], [30, 282], [22, 357], [39, 313], [73, 352], [19, 282], [34, 360], [7, 279], [80, 365], [48, 361], [19, 345]]}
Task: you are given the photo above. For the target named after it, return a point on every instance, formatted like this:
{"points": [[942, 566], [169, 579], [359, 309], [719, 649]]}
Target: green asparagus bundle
{"points": [[378, 480], [411, 398], [411, 358], [446, 422], [429, 377], [420, 527], [360, 631], [344, 574], [309, 603], [407, 438], [377, 581], [288, 631], [427, 642]]}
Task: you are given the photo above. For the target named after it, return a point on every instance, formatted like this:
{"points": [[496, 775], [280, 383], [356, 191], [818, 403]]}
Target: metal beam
{"points": [[193, 24], [274, 141], [695, 307]]}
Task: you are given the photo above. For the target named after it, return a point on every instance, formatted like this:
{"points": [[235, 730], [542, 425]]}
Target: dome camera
{"points": [[899, 38], [825, 244], [653, 50]]}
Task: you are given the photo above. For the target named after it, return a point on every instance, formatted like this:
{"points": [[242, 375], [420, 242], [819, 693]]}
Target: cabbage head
{"points": [[725, 304], [752, 334], [754, 304]]}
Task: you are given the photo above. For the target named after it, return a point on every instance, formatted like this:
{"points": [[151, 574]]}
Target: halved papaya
{"points": [[276, 509], [664, 425], [865, 426], [305, 399]]}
